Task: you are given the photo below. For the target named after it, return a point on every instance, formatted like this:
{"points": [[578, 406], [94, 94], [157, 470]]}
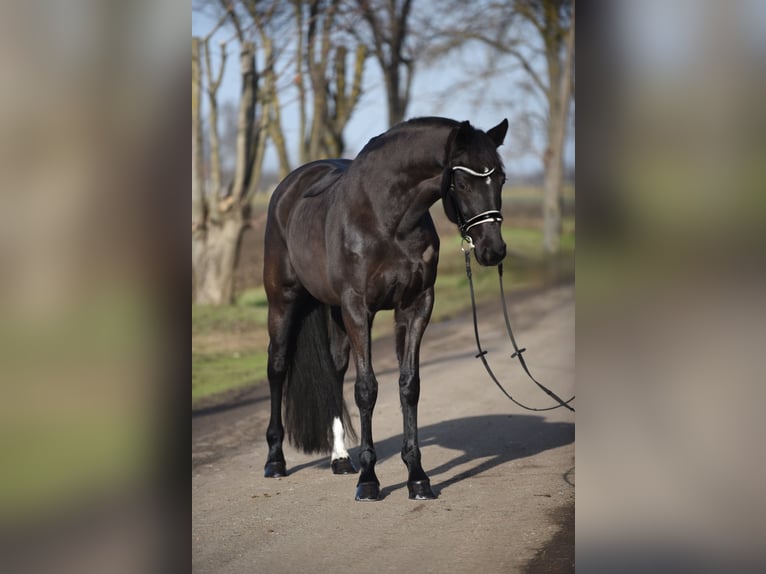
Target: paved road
{"points": [[504, 476]]}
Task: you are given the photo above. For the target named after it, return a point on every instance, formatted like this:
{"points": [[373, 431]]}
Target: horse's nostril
{"points": [[491, 256]]}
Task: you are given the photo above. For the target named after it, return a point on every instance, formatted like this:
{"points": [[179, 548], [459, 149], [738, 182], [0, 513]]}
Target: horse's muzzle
{"points": [[490, 254]]}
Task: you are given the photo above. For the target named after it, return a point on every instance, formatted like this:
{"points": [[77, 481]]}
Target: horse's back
{"points": [[294, 243]]}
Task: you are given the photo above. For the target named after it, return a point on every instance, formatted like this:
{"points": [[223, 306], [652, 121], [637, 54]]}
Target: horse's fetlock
{"points": [[410, 454], [275, 436], [368, 457]]}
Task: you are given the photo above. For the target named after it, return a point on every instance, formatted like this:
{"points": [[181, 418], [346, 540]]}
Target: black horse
{"points": [[345, 239]]}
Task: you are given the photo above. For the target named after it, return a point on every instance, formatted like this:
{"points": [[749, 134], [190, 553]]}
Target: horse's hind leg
{"points": [[411, 323], [281, 311], [339, 348]]}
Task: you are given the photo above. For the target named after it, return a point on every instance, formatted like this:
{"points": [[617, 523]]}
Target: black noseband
{"points": [[492, 215]]}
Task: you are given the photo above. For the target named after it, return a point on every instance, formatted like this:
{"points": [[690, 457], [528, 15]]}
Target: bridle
{"points": [[465, 224]]}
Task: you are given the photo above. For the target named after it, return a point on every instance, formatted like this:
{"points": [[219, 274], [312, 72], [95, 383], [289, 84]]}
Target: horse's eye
{"points": [[462, 186]]}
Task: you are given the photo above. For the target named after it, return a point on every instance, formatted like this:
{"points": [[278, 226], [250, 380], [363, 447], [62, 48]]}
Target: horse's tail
{"points": [[314, 385]]}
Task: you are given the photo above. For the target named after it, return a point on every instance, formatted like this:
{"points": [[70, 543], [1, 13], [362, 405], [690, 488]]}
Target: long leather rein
{"points": [[464, 225]]}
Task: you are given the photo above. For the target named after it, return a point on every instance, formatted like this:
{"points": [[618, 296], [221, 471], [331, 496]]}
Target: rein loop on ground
{"points": [[467, 247]]}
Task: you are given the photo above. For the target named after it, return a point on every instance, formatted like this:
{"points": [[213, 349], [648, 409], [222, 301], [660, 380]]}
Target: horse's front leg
{"points": [[357, 320], [411, 322]]}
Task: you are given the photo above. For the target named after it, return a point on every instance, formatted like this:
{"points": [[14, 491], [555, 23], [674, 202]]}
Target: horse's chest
{"points": [[400, 278]]}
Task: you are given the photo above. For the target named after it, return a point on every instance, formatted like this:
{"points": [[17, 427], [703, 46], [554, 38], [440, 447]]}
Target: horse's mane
{"points": [[483, 151], [426, 121], [403, 128]]}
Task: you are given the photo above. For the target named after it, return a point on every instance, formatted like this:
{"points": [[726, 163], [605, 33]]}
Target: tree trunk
{"points": [[395, 108], [389, 35], [300, 84], [215, 263], [198, 200], [344, 101], [245, 120], [559, 92], [552, 201], [216, 237], [212, 91], [259, 151]]}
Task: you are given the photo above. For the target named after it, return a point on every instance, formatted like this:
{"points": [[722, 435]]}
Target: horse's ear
{"points": [[497, 134]]}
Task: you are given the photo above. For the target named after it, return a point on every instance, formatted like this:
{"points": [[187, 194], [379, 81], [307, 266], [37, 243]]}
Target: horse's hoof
{"points": [[421, 490], [343, 466], [275, 469], [367, 491]]}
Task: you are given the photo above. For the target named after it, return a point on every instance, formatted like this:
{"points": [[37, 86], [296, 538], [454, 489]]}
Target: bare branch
{"points": [[526, 10], [213, 83], [228, 6], [245, 119]]}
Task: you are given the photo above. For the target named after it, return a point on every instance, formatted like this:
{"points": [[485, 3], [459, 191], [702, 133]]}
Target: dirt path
{"points": [[504, 476]]}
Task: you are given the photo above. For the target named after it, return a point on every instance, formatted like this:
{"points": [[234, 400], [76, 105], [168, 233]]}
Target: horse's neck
{"points": [[417, 203], [415, 171]]}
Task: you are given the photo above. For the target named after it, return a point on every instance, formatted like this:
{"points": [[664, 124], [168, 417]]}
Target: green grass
{"points": [[243, 361], [214, 373], [229, 343], [249, 312]]}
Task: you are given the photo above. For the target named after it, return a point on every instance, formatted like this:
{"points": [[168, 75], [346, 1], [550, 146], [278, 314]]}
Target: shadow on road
{"points": [[482, 443]]}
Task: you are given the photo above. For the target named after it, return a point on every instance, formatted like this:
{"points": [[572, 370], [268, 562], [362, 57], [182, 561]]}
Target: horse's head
{"points": [[471, 188]]}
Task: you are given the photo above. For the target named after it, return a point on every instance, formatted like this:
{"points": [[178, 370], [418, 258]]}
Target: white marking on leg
{"points": [[338, 440]]}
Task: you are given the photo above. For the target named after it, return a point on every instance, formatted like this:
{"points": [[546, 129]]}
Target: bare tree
{"points": [[229, 111], [322, 53], [199, 206], [219, 211], [554, 21], [327, 94], [547, 58], [212, 85], [388, 24], [269, 19], [220, 214]]}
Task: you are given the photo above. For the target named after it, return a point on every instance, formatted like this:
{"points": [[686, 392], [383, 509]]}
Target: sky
{"points": [[428, 98]]}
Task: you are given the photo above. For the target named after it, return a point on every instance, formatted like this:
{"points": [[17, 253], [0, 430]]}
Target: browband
{"points": [[469, 170]]}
